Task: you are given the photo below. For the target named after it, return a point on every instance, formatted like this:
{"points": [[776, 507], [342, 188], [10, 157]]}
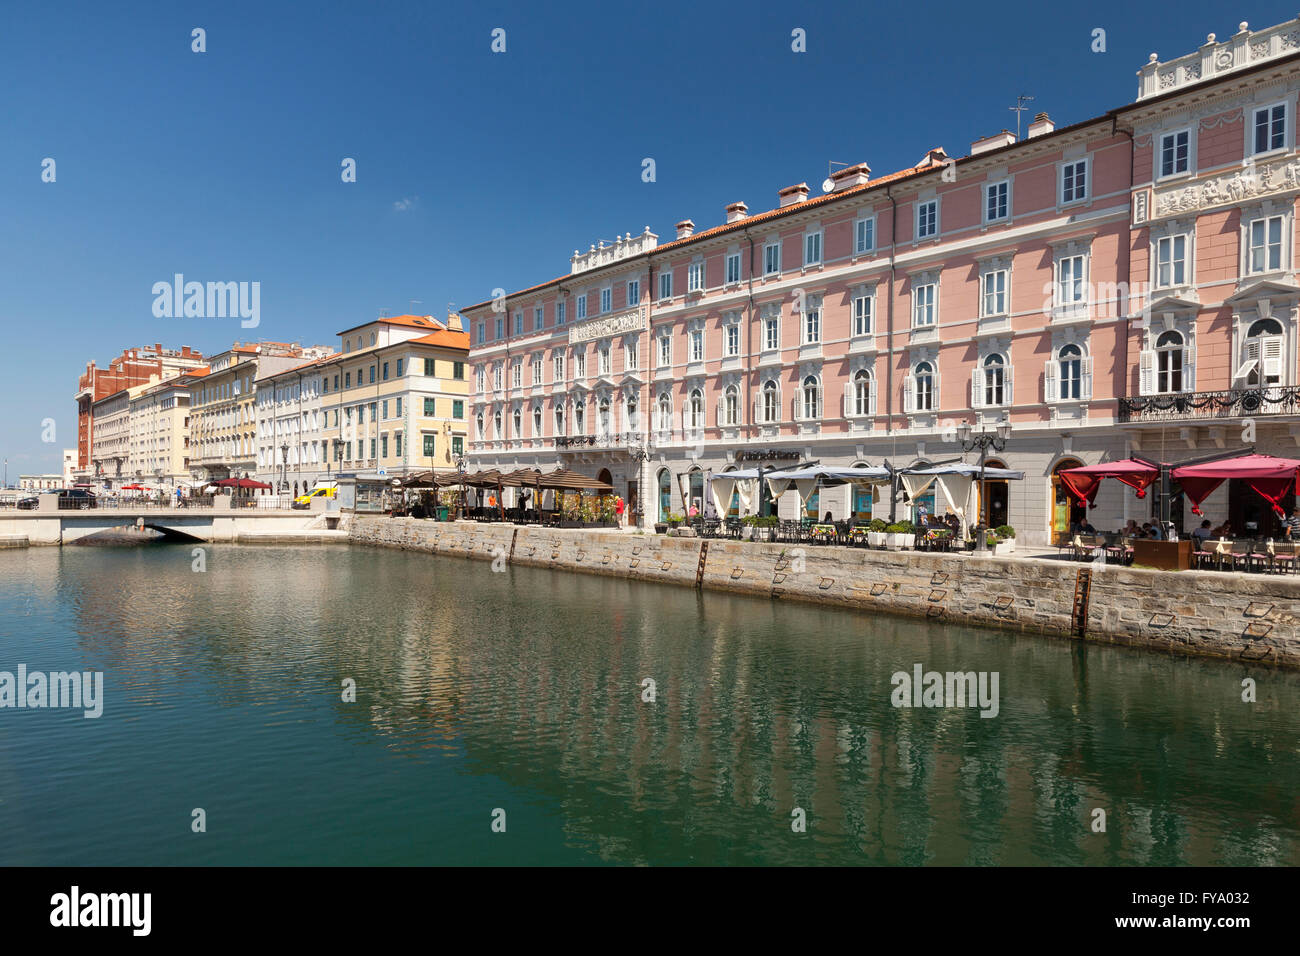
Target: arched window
{"points": [[697, 409], [665, 494], [496, 424], [994, 380], [923, 384], [812, 398], [731, 405], [537, 421], [559, 419], [771, 402], [602, 423], [1261, 354], [478, 423], [665, 412], [1169, 362], [1070, 358], [861, 398], [631, 414], [579, 417], [516, 423]]}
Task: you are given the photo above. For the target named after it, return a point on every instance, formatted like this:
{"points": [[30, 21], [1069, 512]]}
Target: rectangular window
{"points": [[580, 310], [927, 219], [1070, 287], [995, 292], [397, 441], [771, 333], [537, 370], [517, 373], [1171, 261], [923, 305], [864, 236], [559, 313], [558, 362], [733, 267], [629, 356], [580, 365], [604, 359], [772, 259], [695, 277], [458, 371], [373, 444], [665, 285], [430, 407], [347, 379], [383, 446], [812, 325], [862, 315], [995, 205], [1266, 245], [1074, 181], [480, 333], [457, 446], [458, 408], [501, 328], [665, 351], [430, 443], [399, 408], [634, 292], [538, 313], [697, 345], [429, 367], [519, 323], [1175, 153], [606, 299], [812, 249], [1270, 128], [384, 406], [384, 375], [731, 337], [399, 368]]}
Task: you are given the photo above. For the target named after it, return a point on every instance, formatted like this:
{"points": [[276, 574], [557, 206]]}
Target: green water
{"points": [[522, 691]]}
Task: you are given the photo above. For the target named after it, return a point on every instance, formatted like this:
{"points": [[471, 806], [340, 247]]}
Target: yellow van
{"points": [[321, 491]]}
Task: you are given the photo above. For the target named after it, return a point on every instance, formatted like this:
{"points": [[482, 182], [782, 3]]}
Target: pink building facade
{"points": [[1102, 288]]}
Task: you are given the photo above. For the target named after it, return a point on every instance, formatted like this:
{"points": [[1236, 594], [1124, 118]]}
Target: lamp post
{"points": [[284, 466], [460, 474], [985, 440], [640, 454]]}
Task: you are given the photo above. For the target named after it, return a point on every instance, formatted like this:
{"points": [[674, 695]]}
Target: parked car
{"points": [[29, 503], [75, 498], [320, 491]]}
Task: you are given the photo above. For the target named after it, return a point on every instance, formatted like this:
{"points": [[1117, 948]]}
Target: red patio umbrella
{"points": [[240, 483], [1083, 482], [134, 488], [1271, 478]]}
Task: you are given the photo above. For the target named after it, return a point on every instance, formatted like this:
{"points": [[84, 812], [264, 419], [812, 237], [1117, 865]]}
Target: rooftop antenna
{"points": [[1019, 108], [828, 184], [383, 313]]}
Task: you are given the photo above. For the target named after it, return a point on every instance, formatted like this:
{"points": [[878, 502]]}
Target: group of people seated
{"points": [[1205, 532]]}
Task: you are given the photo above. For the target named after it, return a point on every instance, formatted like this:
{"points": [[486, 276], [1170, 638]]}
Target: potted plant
{"points": [[661, 527], [675, 520], [899, 535], [1006, 539], [876, 533], [760, 527]]}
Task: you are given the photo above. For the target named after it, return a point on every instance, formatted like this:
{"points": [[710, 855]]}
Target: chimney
{"points": [[793, 194], [737, 210], [685, 228], [935, 157], [850, 176], [454, 323], [997, 141], [1041, 124]]}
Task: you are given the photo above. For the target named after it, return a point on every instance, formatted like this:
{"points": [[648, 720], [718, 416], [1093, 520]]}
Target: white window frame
{"points": [[633, 291], [731, 339], [559, 313], [695, 276], [1268, 108], [772, 258], [665, 285], [771, 322], [862, 315], [995, 301], [1170, 241], [864, 228], [1005, 186], [860, 402], [557, 367], [927, 214], [813, 253], [1076, 195], [733, 274], [539, 318], [925, 297], [1158, 170], [606, 299], [580, 307], [810, 323], [1283, 231], [1081, 279], [664, 352], [695, 345]]}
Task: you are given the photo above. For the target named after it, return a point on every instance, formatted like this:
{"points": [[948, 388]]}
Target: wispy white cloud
{"points": [[405, 203]]}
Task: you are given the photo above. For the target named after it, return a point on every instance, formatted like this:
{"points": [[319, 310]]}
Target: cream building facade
{"points": [[160, 432]]}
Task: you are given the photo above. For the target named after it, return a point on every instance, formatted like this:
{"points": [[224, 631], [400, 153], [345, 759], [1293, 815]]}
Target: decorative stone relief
{"points": [[1229, 188]]}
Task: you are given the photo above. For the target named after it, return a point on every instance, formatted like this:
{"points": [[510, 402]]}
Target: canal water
{"points": [[520, 697]]}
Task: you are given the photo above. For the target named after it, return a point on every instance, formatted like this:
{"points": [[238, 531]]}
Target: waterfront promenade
{"points": [[1248, 618]]}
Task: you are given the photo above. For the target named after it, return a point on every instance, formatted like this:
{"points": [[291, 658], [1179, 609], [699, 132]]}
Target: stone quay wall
{"points": [[1249, 618]]}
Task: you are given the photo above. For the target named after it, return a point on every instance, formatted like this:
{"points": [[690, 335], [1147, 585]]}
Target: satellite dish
{"points": [[827, 185]]}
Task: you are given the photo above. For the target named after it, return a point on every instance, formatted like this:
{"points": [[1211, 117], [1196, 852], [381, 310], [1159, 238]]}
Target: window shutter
{"points": [[871, 397], [1146, 372], [1249, 358], [909, 394], [1007, 382], [686, 421], [721, 416], [1189, 369], [849, 408], [758, 416], [797, 411], [1085, 391], [934, 392], [1049, 381], [1272, 356], [977, 388]]}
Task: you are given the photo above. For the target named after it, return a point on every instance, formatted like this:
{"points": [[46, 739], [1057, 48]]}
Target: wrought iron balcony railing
{"points": [[1192, 406]]}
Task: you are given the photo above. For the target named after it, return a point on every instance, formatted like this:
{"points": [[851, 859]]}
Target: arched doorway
{"points": [[733, 506], [665, 495], [994, 498], [860, 499], [696, 493], [922, 506], [605, 476], [1065, 507]]}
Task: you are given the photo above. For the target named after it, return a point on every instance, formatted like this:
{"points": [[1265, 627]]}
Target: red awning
{"points": [[1084, 482], [1271, 478], [240, 483]]}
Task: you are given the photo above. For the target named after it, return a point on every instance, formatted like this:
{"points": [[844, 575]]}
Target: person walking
{"points": [[1293, 525]]}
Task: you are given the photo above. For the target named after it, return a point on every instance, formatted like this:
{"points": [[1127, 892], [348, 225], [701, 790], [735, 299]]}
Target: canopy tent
{"points": [[1271, 478], [241, 483], [743, 483], [1085, 481], [807, 480], [958, 482]]}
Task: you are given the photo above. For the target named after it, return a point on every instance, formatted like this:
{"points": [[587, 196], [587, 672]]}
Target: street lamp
{"points": [[997, 440], [284, 466], [460, 474], [640, 454]]}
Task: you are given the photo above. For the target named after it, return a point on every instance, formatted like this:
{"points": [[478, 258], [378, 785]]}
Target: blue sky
{"points": [[474, 169]]}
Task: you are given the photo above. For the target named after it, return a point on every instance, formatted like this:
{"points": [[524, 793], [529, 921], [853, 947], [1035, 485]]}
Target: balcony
{"points": [[611, 440], [1205, 406]]}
